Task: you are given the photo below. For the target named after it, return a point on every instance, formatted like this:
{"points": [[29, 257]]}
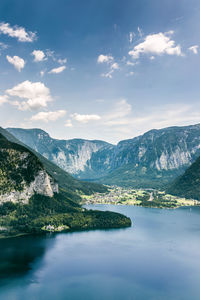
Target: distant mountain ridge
{"points": [[150, 160], [74, 156]]}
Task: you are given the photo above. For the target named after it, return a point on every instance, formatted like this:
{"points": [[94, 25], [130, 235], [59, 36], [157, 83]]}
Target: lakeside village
{"points": [[139, 197]]}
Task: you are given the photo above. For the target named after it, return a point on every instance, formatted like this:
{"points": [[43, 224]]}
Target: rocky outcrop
{"points": [[42, 185], [22, 175]]}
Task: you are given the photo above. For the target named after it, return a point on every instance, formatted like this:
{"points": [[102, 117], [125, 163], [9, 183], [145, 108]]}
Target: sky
{"points": [[108, 70]]}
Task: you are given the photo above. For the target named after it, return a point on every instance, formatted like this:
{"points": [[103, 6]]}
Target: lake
{"points": [[158, 258]]}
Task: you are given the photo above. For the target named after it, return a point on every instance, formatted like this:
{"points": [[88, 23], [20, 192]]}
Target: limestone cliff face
{"points": [[75, 158], [82, 158], [22, 175], [165, 149], [42, 185], [169, 150]]}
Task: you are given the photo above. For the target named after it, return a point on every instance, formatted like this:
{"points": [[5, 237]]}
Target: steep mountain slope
{"points": [[76, 156], [22, 175], [32, 201], [155, 158], [188, 185], [65, 181], [150, 160]]}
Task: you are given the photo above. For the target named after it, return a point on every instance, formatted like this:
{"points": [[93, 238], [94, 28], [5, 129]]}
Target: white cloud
{"points": [[16, 61], [115, 66], [48, 116], [108, 74], [42, 73], [130, 63], [104, 59], [68, 123], [51, 54], [54, 57], [157, 44], [57, 70], [38, 55], [85, 118], [3, 99], [37, 95], [62, 61], [17, 32], [131, 37], [194, 49], [140, 32]]}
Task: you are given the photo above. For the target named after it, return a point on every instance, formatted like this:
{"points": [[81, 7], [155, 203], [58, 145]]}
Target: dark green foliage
{"points": [[18, 166], [140, 177], [187, 185], [80, 221], [56, 211], [158, 204], [6, 208]]}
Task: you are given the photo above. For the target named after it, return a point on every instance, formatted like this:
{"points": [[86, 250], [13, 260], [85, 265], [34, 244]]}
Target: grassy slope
{"points": [[128, 176]]}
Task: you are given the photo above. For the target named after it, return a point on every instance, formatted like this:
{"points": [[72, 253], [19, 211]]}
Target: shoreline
{"points": [[157, 207]]}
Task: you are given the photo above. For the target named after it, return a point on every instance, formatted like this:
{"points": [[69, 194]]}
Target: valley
{"points": [[139, 197]]}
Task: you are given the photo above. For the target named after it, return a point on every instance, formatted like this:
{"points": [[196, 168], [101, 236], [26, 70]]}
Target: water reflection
{"points": [[158, 258], [20, 255]]}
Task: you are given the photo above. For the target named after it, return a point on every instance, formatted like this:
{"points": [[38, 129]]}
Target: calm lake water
{"points": [[156, 259]]}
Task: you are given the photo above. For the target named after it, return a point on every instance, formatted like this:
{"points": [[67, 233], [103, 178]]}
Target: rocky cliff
{"points": [[75, 156], [150, 160], [22, 175]]}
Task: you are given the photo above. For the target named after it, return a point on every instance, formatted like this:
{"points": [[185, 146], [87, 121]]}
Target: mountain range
{"points": [[153, 159]]}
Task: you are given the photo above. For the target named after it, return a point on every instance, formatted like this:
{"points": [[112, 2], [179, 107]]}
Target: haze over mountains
{"points": [[151, 160]]}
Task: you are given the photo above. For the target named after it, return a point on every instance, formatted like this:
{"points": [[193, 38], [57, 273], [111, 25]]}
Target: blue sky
{"points": [[107, 70]]}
